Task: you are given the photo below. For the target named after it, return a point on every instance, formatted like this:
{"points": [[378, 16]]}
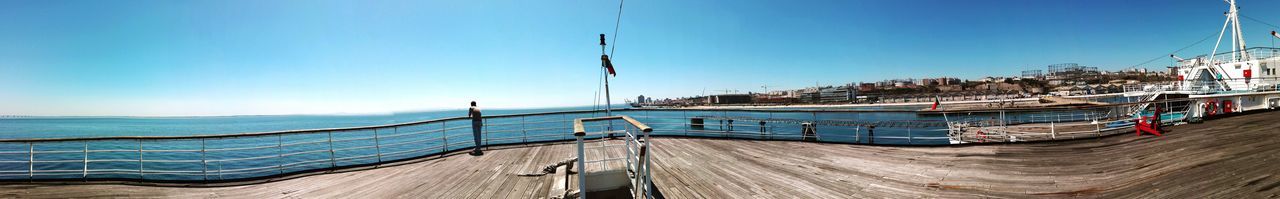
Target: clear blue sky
{"points": [[316, 57]]}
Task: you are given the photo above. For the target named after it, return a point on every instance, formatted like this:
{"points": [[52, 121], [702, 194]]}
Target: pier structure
{"points": [[1224, 158], [227, 163]]}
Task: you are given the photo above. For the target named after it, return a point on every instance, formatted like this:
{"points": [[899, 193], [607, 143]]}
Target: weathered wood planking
{"points": [[1237, 157], [492, 175]]}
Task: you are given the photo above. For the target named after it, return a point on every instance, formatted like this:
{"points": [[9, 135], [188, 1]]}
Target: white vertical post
{"points": [[31, 160], [377, 145], [633, 165], [630, 137], [444, 133], [484, 130], [909, 134], [85, 172], [141, 173], [280, 152], [686, 122], [648, 177], [1098, 129], [856, 131], [524, 132], [582, 167], [204, 162], [1053, 132], [333, 161]]}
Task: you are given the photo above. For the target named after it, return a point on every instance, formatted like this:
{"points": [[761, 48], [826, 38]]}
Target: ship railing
{"points": [[1108, 120], [247, 156], [1255, 53], [264, 155], [637, 148], [251, 156], [781, 124]]}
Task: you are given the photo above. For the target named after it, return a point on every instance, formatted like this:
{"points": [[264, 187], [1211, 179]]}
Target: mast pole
{"points": [[607, 106]]}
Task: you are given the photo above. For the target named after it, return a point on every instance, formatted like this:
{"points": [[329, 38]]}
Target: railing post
{"points": [[484, 132], [377, 144], [686, 123], [763, 130], [204, 162], [567, 125], [1098, 128], [630, 137], [909, 134], [444, 134], [634, 166], [1053, 133], [85, 174], [333, 161], [141, 172], [31, 160], [648, 177], [280, 152], [524, 137], [582, 166]]}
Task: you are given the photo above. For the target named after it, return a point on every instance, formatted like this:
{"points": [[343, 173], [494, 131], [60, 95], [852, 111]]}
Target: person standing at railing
{"points": [[477, 122]]}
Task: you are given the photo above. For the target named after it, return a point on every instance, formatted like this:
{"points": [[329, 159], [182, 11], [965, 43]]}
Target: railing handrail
{"points": [[358, 128], [251, 134], [579, 129]]}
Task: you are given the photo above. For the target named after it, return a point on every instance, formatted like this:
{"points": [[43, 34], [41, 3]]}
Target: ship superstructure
{"points": [[1241, 79]]}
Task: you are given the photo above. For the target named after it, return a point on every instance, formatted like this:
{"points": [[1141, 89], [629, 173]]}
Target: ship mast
{"points": [[1237, 40]]}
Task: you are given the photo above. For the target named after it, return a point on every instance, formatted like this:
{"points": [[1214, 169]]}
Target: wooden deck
{"points": [[492, 175], [1237, 157]]}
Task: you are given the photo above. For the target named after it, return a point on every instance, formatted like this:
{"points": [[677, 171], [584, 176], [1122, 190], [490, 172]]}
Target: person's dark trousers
{"points": [[476, 125]]}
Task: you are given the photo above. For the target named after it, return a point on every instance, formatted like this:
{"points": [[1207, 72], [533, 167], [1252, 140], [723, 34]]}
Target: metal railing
{"points": [[636, 145], [1085, 122], [235, 157], [257, 155]]}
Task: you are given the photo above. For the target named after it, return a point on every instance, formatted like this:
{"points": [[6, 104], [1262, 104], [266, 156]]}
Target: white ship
{"points": [[1223, 82], [1237, 80]]}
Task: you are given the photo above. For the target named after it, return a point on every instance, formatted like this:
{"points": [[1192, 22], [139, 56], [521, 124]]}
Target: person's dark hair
{"points": [[473, 103]]}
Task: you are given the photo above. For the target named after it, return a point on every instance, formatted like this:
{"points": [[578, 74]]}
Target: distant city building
{"points": [[1033, 74], [729, 99], [1071, 74]]}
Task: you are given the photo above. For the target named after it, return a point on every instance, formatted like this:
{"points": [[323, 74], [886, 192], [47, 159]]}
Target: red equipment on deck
{"points": [[1149, 124], [1227, 107]]}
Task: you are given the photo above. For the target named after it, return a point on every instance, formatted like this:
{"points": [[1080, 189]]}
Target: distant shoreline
{"points": [[884, 105]]}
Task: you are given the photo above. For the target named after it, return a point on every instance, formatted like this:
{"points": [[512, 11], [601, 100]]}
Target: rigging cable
{"points": [[616, 24], [1259, 21], [1176, 51], [1273, 39], [599, 86]]}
